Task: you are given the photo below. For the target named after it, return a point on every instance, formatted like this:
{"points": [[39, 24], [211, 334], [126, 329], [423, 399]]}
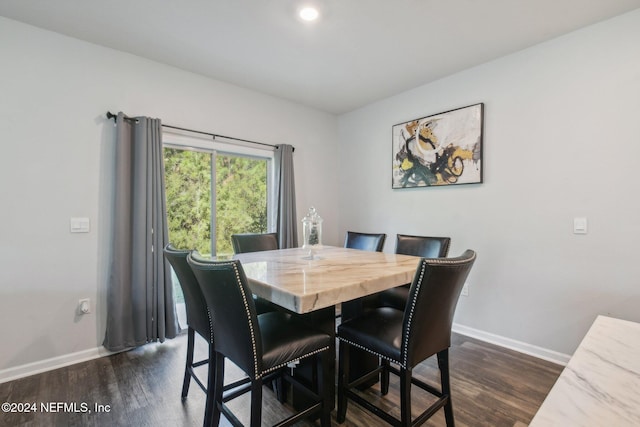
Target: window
{"points": [[213, 190]]}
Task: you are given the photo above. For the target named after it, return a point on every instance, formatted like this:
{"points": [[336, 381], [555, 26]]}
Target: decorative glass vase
{"points": [[312, 232]]}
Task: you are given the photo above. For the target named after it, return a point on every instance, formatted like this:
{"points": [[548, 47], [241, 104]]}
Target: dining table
{"points": [[313, 284]]}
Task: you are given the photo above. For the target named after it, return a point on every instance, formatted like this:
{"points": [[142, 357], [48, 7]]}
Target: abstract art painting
{"points": [[442, 149]]}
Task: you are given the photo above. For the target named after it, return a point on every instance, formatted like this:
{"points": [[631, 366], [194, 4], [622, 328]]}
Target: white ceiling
{"points": [[358, 52]]}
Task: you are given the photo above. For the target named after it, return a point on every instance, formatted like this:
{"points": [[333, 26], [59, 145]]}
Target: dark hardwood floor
{"points": [[491, 386]]}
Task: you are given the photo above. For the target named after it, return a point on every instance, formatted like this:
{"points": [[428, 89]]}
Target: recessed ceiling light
{"points": [[309, 13]]}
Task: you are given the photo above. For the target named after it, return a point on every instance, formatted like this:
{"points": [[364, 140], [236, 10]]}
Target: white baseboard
{"points": [[519, 346], [28, 369]]}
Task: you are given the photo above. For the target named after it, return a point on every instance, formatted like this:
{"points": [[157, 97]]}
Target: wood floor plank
{"points": [[491, 386]]}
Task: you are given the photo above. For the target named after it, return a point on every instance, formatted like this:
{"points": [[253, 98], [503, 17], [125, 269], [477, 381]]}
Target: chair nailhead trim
{"points": [[452, 261], [282, 365], [405, 347], [372, 352], [246, 307], [210, 326]]}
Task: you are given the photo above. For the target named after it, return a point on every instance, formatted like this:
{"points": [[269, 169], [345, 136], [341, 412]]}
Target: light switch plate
{"points": [[79, 225], [580, 226], [465, 290]]}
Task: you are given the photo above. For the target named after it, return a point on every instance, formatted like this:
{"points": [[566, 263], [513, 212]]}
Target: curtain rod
{"points": [[110, 115]]}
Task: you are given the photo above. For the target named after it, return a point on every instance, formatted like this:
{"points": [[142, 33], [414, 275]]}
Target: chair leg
{"points": [[256, 402], [215, 387], [343, 375], [280, 388], [384, 377], [405, 397], [189, 362], [443, 364], [211, 384], [323, 389]]}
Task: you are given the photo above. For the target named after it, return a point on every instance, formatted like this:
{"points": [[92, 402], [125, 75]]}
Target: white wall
{"points": [[57, 149], [561, 140]]}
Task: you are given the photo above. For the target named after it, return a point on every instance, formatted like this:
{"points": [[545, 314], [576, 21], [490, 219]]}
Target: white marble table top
{"points": [[601, 384], [336, 275]]}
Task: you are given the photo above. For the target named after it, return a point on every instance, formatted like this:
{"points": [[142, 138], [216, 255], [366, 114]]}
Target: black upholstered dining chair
{"points": [[198, 322], [403, 339], [254, 242], [422, 246], [260, 345], [365, 241]]}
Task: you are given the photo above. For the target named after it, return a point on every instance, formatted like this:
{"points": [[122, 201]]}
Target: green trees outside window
{"points": [[241, 199], [240, 189], [188, 194]]}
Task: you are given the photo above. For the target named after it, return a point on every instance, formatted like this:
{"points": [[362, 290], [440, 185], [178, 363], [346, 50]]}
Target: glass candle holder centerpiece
{"points": [[312, 232]]}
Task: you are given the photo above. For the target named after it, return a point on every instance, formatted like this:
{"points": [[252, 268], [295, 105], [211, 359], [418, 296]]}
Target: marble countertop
{"points": [[288, 278], [600, 385]]}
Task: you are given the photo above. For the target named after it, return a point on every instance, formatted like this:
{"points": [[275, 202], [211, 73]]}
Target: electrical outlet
{"points": [[465, 290], [84, 306]]}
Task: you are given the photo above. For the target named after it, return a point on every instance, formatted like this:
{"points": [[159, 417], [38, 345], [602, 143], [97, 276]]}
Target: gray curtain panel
{"points": [[140, 304], [286, 220]]}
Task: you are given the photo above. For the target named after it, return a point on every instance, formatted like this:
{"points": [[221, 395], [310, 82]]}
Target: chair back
{"points": [[232, 311], [432, 301], [423, 246], [195, 305], [254, 242], [365, 241]]}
